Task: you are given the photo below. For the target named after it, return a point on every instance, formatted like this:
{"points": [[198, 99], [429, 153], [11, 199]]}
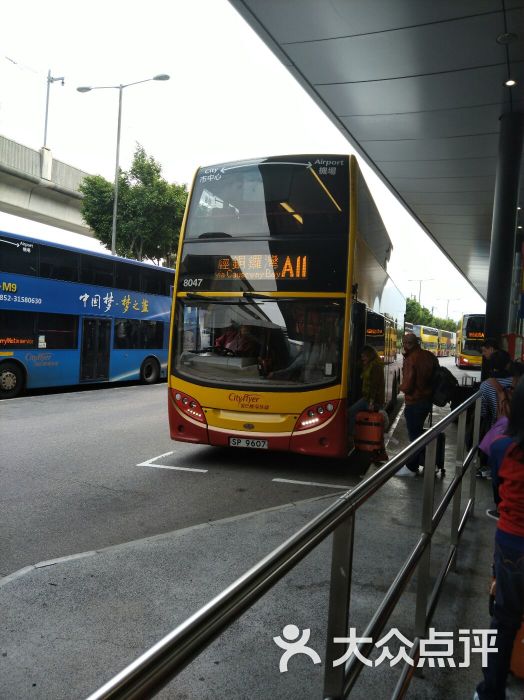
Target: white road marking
{"points": [[153, 459], [178, 469], [346, 487], [149, 463]]}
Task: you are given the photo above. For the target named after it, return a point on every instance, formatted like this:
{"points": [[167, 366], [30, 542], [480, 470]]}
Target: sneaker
{"points": [[493, 514], [483, 473], [405, 471]]}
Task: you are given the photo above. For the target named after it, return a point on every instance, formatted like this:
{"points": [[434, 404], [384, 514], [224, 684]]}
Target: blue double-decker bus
{"points": [[69, 316]]}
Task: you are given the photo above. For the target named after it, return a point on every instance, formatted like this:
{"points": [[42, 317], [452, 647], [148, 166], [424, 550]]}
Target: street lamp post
{"points": [[447, 303], [424, 279], [120, 88], [49, 81]]}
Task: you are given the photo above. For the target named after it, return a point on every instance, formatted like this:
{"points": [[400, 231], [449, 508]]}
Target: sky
{"points": [[228, 98]]}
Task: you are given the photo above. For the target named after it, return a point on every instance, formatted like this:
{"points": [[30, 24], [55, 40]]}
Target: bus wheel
{"points": [[150, 371], [11, 380]]}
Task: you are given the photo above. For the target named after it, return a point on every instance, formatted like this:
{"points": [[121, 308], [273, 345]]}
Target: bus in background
{"points": [[68, 316], [381, 334], [445, 343], [470, 336], [408, 327], [453, 343], [428, 338], [415, 329], [281, 277]]}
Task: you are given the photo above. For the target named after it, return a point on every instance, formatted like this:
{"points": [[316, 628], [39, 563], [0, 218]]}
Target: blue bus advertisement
{"points": [[58, 332]]}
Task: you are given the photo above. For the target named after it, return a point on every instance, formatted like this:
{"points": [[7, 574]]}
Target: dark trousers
{"points": [[507, 618], [415, 415]]}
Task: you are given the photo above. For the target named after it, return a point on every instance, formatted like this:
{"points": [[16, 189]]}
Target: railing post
{"points": [[423, 572], [339, 600], [475, 462], [459, 466]]}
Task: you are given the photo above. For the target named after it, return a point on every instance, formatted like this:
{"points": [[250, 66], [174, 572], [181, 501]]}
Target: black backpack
{"points": [[444, 385]]}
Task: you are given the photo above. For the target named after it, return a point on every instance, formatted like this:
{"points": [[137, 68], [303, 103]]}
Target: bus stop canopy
{"points": [[418, 88]]}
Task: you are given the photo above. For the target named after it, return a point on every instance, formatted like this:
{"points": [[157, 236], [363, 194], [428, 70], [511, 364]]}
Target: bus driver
{"points": [[237, 340]]}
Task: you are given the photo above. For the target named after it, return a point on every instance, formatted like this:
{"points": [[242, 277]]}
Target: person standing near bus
{"points": [[502, 378], [417, 385], [373, 393], [488, 347]]}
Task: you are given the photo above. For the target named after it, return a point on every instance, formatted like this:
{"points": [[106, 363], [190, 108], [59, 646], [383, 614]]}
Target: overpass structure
{"points": [[36, 186]]}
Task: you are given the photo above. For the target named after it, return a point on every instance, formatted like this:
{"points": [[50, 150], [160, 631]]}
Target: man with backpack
{"points": [[418, 373]]}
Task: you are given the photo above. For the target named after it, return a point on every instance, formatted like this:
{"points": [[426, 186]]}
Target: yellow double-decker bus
{"points": [[428, 337], [446, 343], [381, 334], [470, 336], [281, 280]]}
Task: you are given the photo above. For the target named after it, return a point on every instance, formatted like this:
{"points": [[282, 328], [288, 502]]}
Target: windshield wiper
{"points": [[216, 300], [255, 295]]}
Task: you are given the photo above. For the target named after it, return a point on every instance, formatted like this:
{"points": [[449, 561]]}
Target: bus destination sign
{"points": [[262, 267], [475, 335]]}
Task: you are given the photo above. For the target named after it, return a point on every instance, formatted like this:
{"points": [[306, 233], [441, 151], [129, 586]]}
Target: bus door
{"points": [[357, 340], [94, 361]]}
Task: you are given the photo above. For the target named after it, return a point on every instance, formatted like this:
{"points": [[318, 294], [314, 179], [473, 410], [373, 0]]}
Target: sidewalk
{"points": [[70, 625]]}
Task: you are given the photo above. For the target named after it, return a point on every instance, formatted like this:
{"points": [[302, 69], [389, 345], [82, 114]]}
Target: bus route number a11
{"points": [[248, 442]]}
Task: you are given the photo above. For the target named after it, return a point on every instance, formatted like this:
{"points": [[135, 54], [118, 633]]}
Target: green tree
{"points": [[150, 210], [415, 313]]}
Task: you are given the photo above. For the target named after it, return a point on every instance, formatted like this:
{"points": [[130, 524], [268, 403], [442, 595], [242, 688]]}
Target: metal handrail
{"points": [[150, 672]]}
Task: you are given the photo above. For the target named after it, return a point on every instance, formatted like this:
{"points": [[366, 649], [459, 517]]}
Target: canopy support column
{"points": [[503, 228]]}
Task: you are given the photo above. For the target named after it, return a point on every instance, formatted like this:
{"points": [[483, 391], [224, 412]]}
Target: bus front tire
{"points": [[11, 380], [150, 371]]}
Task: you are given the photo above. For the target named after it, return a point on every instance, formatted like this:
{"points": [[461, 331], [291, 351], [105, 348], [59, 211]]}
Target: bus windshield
{"points": [[267, 343], [473, 335], [269, 198]]}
